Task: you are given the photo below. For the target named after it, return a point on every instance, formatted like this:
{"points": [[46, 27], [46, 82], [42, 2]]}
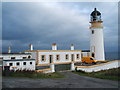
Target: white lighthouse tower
{"points": [[96, 36]]}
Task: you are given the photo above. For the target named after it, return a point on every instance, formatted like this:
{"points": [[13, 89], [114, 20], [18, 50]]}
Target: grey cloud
{"points": [[43, 24]]}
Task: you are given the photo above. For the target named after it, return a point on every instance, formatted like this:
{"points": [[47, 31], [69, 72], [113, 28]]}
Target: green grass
{"points": [[111, 74], [33, 75]]}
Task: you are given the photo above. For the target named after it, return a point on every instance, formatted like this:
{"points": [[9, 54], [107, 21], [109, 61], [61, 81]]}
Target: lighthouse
{"points": [[96, 36]]}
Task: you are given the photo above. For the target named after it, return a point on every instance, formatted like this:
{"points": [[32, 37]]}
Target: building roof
{"points": [[51, 50], [20, 60], [85, 50], [14, 53]]}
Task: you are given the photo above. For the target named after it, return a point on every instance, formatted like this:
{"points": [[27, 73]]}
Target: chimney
{"points": [[30, 46], [9, 49], [54, 46], [72, 47]]}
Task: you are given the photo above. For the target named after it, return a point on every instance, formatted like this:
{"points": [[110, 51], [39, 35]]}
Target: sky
{"points": [[63, 23]]}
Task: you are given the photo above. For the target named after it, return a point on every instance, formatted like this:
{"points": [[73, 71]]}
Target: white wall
{"points": [[113, 64], [62, 57], [97, 41], [28, 66], [17, 56], [86, 54]]}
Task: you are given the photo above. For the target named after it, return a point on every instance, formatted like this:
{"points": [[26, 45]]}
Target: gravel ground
{"points": [[72, 80]]}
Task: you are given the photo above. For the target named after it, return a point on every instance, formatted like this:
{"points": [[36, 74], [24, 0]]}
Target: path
{"points": [[71, 81]]}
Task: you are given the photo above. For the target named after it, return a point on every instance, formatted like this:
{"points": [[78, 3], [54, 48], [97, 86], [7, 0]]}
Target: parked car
{"points": [[89, 60]]}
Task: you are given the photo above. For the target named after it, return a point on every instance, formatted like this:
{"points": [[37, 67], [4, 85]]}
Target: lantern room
{"points": [[95, 15]]}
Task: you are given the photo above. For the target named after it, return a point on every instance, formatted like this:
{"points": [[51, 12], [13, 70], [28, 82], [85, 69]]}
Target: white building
{"points": [[18, 64], [13, 56], [54, 56]]}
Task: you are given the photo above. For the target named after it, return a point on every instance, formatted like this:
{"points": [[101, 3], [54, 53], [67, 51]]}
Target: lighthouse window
{"points": [[92, 31]]}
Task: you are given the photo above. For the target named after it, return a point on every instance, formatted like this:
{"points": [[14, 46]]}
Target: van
{"points": [[88, 60]]}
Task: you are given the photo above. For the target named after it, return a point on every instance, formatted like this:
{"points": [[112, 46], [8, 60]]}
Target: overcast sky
{"points": [[42, 24]]}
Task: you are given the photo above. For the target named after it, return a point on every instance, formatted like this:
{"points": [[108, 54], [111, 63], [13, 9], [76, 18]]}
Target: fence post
{"points": [[52, 66], [72, 66]]}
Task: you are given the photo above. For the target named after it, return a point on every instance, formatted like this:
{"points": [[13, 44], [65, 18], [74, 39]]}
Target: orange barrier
{"points": [[97, 64]]}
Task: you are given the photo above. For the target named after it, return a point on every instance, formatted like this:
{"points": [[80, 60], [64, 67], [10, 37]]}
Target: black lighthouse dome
{"points": [[95, 15]]}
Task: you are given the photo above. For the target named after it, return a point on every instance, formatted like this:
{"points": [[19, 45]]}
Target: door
{"points": [[6, 68], [72, 57], [93, 55], [50, 58]]}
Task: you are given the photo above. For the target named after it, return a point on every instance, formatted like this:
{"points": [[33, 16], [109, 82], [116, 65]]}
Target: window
{"points": [[30, 62], [57, 57], [17, 63], [81, 55], [29, 57], [92, 31], [91, 59], [10, 64], [24, 57], [1, 58], [92, 48], [67, 56], [12, 57], [51, 58], [88, 54], [24, 63], [78, 56], [43, 57], [72, 57]]}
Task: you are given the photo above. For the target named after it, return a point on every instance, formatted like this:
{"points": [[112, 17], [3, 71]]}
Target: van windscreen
{"points": [[91, 59]]}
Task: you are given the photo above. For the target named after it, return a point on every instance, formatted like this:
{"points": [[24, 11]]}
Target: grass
{"points": [[31, 74], [111, 74]]}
